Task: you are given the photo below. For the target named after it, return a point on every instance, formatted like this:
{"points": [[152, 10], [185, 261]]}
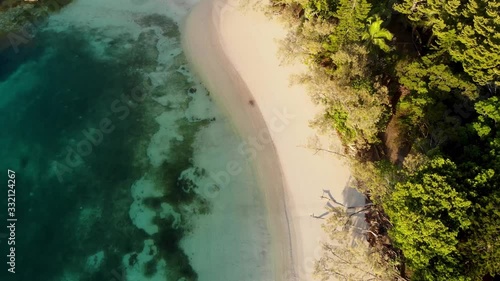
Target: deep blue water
{"points": [[70, 206]]}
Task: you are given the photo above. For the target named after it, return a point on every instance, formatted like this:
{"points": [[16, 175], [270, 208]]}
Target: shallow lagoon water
{"points": [[120, 154]]}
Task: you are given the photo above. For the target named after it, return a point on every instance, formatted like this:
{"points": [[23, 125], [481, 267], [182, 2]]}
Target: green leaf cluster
{"points": [[428, 213], [432, 68], [467, 31]]}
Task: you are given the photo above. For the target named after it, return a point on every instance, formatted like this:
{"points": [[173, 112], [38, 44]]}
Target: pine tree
{"points": [[468, 31], [351, 16]]}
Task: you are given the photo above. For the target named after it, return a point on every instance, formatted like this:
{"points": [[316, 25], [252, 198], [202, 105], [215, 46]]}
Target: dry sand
{"points": [[234, 52]]}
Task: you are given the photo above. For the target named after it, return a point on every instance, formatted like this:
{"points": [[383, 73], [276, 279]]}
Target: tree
{"points": [[489, 116], [444, 202], [468, 31], [347, 257], [428, 212], [319, 8], [377, 35], [446, 215], [434, 87], [483, 172], [351, 16]]}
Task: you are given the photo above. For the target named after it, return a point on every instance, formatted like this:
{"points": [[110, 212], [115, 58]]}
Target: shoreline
{"points": [[235, 54], [247, 119]]}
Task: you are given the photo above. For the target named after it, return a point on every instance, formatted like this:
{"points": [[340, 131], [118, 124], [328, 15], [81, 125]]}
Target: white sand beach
{"points": [[234, 51]]}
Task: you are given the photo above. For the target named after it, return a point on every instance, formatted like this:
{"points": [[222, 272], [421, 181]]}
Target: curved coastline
{"points": [[215, 69], [235, 52]]}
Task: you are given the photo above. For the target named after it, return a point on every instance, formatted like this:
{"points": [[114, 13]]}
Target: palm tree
{"points": [[378, 35]]}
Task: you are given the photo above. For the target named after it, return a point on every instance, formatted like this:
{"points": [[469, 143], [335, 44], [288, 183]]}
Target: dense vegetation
{"points": [[412, 89]]}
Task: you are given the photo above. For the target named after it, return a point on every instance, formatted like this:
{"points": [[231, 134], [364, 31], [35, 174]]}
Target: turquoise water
{"points": [[101, 127]]}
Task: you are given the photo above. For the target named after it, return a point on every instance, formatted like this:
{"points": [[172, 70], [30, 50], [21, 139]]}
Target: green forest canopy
{"points": [[419, 77]]}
